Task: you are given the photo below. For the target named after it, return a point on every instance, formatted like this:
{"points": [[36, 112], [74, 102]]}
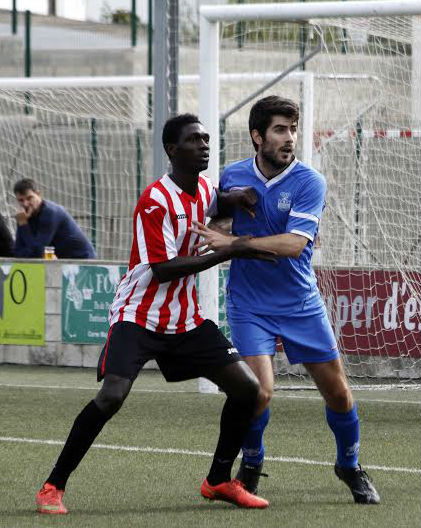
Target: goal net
{"points": [[86, 143], [366, 140]]}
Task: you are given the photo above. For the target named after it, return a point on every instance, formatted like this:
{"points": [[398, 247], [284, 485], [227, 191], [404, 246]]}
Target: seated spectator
{"points": [[6, 239], [44, 223]]}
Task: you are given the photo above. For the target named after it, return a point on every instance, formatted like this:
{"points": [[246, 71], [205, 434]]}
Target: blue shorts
{"points": [[305, 338]]}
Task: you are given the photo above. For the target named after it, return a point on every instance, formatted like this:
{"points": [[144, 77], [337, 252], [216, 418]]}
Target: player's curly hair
{"points": [[172, 128], [264, 109]]}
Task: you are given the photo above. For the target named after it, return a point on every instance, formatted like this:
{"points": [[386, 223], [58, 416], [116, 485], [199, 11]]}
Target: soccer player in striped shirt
{"points": [[155, 315], [266, 300]]}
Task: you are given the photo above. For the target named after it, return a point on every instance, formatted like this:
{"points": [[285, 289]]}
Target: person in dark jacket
{"points": [[44, 223], [6, 239]]}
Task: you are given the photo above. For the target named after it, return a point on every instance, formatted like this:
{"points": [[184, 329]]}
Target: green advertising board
{"points": [[22, 304], [87, 292]]}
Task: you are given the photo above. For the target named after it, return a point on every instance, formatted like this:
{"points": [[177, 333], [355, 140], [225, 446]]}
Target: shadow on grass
{"points": [[77, 513]]}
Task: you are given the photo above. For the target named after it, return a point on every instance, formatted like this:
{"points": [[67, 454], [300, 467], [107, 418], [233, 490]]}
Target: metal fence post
{"points": [[133, 24], [150, 58], [165, 75], [14, 18], [28, 59], [173, 40], [139, 155], [239, 28], [94, 175]]}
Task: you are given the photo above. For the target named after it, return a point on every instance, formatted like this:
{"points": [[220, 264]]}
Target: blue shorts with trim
{"points": [[305, 338]]}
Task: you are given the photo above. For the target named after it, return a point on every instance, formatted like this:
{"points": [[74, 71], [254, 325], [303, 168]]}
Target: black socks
{"points": [[235, 421], [86, 428]]}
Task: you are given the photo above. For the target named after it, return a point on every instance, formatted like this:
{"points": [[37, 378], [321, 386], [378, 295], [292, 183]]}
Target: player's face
{"points": [[30, 201], [278, 146], [192, 150]]}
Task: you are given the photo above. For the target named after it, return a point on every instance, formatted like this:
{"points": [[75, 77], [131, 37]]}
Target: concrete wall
{"points": [[70, 62]]}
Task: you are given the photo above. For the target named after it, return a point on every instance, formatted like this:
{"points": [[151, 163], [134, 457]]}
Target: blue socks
{"points": [[253, 448], [345, 427]]}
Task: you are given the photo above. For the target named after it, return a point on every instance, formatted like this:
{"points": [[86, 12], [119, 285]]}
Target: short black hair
{"points": [[174, 125], [264, 109], [25, 185]]}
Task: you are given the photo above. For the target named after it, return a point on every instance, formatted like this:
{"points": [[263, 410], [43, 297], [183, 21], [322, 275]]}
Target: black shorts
{"points": [[189, 355]]}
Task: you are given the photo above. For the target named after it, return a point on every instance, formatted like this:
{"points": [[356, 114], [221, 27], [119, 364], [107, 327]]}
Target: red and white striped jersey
{"points": [[161, 224]]}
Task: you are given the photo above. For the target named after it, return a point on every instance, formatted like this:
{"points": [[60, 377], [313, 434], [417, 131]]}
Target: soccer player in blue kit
{"points": [[266, 300]]}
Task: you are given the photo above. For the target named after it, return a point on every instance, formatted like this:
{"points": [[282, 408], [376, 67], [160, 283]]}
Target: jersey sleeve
{"points": [[154, 231], [307, 207], [225, 186], [224, 181]]}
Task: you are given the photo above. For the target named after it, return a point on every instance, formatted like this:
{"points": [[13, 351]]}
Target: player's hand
{"points": [[21, 216], [244, 198], [211, 240]]}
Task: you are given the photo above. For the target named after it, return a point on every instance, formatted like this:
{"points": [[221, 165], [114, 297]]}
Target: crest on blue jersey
{"points": [[284, 201]]}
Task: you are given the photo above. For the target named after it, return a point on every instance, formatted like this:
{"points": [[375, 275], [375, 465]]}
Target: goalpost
{"points": [[366, 139]]}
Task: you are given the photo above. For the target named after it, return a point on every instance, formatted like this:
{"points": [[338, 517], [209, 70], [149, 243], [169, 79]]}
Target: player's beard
{"points": [[270, 158]]}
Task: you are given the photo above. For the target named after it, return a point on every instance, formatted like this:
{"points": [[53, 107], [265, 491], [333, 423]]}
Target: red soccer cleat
{"points": [[234, 492], [49, 500]]}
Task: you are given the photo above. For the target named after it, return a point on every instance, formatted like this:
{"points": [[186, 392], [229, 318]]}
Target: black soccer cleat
{"points": [[359, 483], [250, 475]]}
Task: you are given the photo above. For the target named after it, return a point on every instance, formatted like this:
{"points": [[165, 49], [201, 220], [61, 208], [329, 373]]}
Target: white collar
{"points": [[275, 179], [168, 182]]}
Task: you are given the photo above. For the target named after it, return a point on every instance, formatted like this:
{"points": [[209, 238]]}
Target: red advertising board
{"points": [[374, 312]]}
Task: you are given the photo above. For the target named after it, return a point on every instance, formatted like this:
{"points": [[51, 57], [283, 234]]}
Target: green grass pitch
{"points": [[172, 430]]}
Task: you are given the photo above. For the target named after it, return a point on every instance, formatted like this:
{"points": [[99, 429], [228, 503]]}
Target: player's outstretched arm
{"points": [[181, 266], [284, 245]]}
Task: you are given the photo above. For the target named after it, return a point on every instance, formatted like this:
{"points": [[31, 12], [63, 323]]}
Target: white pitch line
{"points": [[365, 400], [64, 387], [174, 451], [163, 391]]}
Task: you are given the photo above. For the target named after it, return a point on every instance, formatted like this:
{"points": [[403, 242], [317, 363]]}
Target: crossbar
{"points": [[306, 10]]}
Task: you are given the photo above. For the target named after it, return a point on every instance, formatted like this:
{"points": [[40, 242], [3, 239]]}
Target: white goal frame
{"points": [[210, 16]]}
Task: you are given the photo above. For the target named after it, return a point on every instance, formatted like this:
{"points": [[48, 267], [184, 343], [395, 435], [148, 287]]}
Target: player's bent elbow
{"points": [[296, 251], [298, 243]]}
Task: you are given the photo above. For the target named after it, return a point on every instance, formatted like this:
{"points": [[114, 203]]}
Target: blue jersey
{"points": [[291, 202]]}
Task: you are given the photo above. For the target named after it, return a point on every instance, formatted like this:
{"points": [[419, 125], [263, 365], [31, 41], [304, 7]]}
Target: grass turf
{"points": [[117, 488]]}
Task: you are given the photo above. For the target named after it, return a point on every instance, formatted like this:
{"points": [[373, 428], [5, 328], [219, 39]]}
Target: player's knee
{"points": [[340, 400], [109, 402], [248, 391], [239, 382], [112, 395], [264, 398]]}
